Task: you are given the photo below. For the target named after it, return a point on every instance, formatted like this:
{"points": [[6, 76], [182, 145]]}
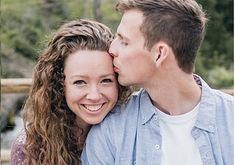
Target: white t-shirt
{"points": [[178, 145]]}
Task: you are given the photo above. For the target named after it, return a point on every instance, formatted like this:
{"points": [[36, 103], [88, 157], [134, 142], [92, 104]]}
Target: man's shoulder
{"points": [[121, 120], [122, 111], [224, 95], [216, 96], [223, 103], [122, 114], [105, 138], [223, 98], [223, 107]]}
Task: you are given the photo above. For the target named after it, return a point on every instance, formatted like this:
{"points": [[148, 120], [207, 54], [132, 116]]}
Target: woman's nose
{"points": [[94, 94]]}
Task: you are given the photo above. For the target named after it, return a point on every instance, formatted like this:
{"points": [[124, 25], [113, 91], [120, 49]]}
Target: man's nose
{"points": [[112, 49]]}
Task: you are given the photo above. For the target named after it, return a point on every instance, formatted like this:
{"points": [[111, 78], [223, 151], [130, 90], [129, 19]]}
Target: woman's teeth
{"points": [[93, 107]]}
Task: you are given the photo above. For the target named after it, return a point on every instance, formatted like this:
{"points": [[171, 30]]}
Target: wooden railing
{"points": [[16, 85], [228, 91], [23, 86]]}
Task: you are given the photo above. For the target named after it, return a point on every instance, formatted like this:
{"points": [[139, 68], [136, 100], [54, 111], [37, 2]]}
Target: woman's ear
{"points": [[160, 51]]}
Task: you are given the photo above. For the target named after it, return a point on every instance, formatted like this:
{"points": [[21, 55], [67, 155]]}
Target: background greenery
{"points": [[26, 25]]}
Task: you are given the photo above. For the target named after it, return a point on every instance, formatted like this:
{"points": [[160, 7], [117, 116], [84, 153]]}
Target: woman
{"points": [[74, 86]]}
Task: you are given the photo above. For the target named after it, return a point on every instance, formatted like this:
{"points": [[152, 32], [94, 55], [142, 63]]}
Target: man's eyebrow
{"points": [[121, 36]]}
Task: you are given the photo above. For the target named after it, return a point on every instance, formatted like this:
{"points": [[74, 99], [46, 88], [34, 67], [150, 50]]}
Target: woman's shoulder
{"points": [[17, 154]]}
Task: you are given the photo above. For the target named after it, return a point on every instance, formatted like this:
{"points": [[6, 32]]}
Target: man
{"points": [[176, 119]]}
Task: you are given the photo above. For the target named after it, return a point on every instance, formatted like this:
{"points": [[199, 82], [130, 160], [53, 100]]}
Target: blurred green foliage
{"points": [[215, 61], [26, 25]]}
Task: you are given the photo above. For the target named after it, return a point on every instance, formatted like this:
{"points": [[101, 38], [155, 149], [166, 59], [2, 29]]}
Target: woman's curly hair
{"points": [[49, 124]]}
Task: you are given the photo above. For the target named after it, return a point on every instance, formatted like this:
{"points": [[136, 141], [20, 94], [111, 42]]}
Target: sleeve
{"points": [[17, 154], [98, 148]]}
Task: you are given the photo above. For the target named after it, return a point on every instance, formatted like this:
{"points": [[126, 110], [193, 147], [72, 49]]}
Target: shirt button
{"points": [[157, 146], [155, 117], [134, 162]]}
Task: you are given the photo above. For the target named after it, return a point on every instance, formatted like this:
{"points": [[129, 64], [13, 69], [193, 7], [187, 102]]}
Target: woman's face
{"points": [[91, 88]]}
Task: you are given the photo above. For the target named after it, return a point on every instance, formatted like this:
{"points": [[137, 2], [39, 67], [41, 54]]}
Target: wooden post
{"points": [[5, 156]]}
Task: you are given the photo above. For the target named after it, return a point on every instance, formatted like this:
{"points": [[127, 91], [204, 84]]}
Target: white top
{"points": [[178, 145]]}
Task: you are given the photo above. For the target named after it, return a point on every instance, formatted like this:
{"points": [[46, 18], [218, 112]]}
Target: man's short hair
{"points": [[179, 23]]}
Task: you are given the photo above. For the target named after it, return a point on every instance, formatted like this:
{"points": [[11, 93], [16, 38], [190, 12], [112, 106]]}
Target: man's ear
{"points": [[160, 51]]}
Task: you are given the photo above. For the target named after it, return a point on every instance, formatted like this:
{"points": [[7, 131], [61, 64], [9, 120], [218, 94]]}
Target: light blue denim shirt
{"points": [[130, 134]]}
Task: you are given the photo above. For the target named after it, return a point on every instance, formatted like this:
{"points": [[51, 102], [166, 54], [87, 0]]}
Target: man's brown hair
{"points": [[179, 23]]}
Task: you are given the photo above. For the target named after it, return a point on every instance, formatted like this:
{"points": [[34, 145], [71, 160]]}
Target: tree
{"points": [[97, 10]]}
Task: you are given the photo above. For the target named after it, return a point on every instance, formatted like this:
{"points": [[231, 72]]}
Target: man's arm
{"points": [[98, 148]]}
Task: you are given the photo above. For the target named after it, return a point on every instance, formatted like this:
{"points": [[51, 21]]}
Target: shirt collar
{"points": [[206, 112], [147, 109]]}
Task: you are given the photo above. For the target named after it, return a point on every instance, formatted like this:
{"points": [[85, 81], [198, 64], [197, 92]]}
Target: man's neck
{"points": [[175, 95]]}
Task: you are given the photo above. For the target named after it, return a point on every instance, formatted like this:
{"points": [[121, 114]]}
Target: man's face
{"points": [[132, 61]]}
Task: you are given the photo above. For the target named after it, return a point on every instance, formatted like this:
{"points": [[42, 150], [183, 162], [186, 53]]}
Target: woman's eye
{"points": [[79, 82], [107, 81]]}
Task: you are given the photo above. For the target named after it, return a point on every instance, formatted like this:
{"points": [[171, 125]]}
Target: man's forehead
{"points": [[130, 23], [132, 17]]}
